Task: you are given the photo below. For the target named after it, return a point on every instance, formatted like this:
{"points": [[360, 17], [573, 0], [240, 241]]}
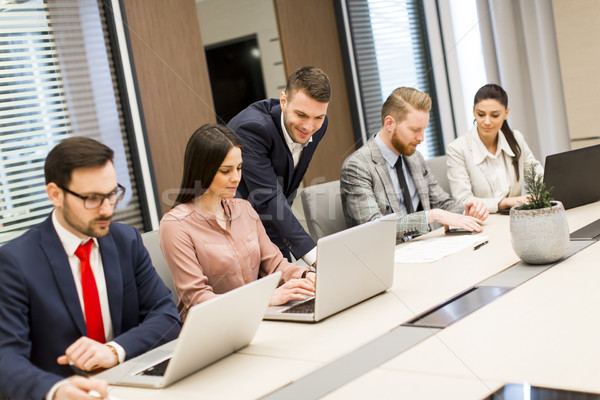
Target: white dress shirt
{"points": [[296, 150], [496, 165]]}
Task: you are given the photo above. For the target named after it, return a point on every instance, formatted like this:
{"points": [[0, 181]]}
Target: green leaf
{"points": [[539, 195]]}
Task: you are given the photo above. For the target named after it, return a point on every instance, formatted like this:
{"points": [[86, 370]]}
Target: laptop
{"points": [[575, 180], [212, 330], [574, 176], [352, 265]]}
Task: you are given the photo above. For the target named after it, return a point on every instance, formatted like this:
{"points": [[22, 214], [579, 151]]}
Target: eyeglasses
{"points": [[94, 201]]}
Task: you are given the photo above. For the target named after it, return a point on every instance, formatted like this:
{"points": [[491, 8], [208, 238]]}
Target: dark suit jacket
{"points": [[269, 180], [41, 315]]}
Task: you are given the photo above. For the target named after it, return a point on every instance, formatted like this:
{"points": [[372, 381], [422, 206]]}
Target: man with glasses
{"points": [[77, 292]]}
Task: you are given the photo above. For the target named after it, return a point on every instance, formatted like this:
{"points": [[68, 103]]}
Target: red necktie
{"points": [[91, 300]]}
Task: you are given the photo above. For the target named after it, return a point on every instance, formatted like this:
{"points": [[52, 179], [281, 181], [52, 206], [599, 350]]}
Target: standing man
{"points": [[279, 138], [77, 289], [388, 175]]}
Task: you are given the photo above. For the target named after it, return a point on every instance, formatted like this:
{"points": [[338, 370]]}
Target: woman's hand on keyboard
{"points": [[294, 289]]}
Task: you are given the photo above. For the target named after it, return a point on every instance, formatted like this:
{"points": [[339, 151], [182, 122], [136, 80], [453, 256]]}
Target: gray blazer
{"points": [[368, 193]]}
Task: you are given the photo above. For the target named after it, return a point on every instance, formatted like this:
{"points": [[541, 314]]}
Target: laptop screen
{"points": [[574, 176]]}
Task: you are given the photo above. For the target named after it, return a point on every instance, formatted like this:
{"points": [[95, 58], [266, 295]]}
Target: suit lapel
{"points": [[482, 165], [114, 280], [63, 276], [416, 172], [484, 170], [305, 157], [276, 116], [384, 176]]}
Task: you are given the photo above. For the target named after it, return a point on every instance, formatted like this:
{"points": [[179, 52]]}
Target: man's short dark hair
{"points": [[73, 153], [312, 80]]}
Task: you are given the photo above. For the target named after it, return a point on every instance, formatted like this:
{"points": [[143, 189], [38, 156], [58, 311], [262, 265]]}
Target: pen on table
{"points": [[479, 245]]}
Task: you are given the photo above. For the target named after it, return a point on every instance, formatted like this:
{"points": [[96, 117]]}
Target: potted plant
{"points": [[539, 228]]}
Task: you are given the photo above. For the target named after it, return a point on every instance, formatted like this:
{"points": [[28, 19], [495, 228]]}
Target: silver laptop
{"points": [[352, 265], [212, 330]]}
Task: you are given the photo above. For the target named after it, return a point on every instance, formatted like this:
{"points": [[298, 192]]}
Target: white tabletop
{"points": [[544, 332], [238, 376], [284, 351], [391, 384]]}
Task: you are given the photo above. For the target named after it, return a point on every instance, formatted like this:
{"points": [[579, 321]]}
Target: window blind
{"points": [[390, 46], [57, 80]]}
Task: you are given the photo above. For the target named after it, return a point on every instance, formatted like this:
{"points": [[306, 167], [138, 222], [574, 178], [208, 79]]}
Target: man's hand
{"points": [[79, 387], [467, 222], [475, 208], [294, 289], [87, 354]]}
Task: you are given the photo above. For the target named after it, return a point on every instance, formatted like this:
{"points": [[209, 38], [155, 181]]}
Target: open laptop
{"points": [[212, 330], [575, 180], [574, 176], [352, 265]]}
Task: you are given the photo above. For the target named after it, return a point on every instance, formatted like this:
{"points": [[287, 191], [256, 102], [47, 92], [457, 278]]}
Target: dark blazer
{"points": [[41, 315], [269, 180]]}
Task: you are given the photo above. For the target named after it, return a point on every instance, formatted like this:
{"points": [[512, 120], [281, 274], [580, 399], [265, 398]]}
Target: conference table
{"points": [[539, 332]]}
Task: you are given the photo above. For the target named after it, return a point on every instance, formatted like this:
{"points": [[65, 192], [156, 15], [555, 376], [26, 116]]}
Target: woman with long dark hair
{"points": [[213, 242], [488, 162]]}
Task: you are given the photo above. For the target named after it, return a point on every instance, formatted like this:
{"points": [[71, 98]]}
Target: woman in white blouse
{"points": [[488, 162]]}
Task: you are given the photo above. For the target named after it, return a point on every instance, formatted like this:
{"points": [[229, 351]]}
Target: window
{"points": [[57, 80], [389, 47]]}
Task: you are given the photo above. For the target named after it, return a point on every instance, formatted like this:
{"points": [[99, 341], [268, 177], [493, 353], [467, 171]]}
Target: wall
{"points": [[578, 37], [309, 36], [224, 20], [306, 33], [173, 82], [175, 89]]}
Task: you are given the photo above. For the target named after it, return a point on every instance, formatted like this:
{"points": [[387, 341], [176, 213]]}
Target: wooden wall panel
{"points": [[173, 81], [309, 36]]}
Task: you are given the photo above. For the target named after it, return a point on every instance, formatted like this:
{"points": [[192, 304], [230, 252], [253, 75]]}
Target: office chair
{"points": [[151, 242], [438, 168], [322, 206]]}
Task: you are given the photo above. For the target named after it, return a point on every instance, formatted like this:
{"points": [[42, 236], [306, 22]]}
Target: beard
{"points": [[88, 228], [402, 148]]}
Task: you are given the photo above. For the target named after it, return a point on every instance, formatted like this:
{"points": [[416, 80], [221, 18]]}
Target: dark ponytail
{"points": [[495, 92]]}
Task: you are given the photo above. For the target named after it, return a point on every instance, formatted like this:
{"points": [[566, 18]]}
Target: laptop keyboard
{"points": [[157, 369], [306, 307]]}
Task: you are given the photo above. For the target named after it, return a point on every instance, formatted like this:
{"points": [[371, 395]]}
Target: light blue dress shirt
{"points": [[390, 160]]}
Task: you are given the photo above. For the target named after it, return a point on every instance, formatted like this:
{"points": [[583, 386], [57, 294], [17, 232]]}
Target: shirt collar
{"points": [[69, 241], [388, 154], [480, 152], [291, 144]]}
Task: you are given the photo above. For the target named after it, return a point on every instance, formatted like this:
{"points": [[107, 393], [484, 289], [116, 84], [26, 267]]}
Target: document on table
{"points": [[431, 250]]}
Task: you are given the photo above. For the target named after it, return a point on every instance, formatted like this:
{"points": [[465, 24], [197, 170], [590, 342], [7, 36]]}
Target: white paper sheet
{"points": [[431, 250]]}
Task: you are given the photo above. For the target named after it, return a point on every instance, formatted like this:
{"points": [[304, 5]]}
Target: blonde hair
{"points": [[399, 103]]}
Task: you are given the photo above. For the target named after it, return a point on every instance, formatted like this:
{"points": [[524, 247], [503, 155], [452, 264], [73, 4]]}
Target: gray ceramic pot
{"points": [[539, 236]]}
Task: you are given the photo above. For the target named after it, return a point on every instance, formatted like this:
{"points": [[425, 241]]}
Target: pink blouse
{"points": [[206, 260]]}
